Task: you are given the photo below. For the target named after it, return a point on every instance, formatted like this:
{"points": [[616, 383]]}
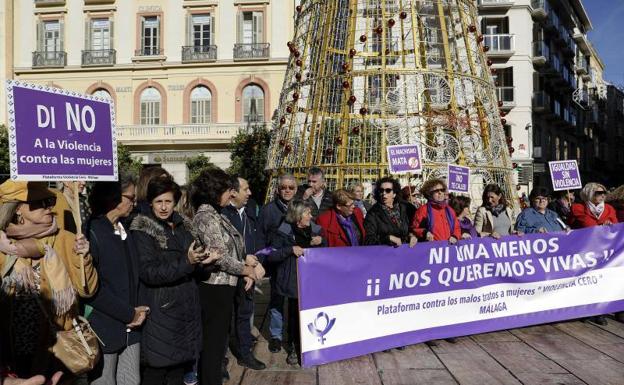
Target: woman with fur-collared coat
{"points": [[171, 335], [44, 270]]}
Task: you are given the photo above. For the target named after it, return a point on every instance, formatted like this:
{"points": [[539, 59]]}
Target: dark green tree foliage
{"points": [[126, 162], [197, 164], [249, 156]]}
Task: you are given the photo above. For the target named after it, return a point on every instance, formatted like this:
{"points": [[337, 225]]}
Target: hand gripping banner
{"points": [[359, 300]]}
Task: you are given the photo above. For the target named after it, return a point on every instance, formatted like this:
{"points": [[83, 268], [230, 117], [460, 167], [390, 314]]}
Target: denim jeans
{"points": [[276, 313]]}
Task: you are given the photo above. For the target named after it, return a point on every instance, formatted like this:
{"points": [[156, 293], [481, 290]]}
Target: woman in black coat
{"points": [[117, 313], [388, 221], [171, 337], [295, 234]]}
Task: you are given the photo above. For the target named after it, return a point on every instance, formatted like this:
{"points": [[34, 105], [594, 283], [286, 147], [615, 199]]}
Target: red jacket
{"points": [[580, 216], [333, 232], [441, 228]]}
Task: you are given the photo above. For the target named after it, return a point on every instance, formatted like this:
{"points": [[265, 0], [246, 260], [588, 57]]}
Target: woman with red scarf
{"points": [[436, 220]]}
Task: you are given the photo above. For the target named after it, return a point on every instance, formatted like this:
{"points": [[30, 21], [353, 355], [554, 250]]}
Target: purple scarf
{"points": [[349, 226]]}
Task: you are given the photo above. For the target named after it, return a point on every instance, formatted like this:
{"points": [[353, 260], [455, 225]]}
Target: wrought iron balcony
{"points": [[148, 51], [199, 53], [42, 59], [251, 51], [501, 44], [100, 57]]}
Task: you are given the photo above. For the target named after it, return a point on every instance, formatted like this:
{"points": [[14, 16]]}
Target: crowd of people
{"points": [[166, 274]]}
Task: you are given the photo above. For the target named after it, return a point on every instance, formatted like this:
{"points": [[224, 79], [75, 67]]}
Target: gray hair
{"points": [[126, 179], [295, 210], [588, 191], [7, 213], [285, 177]]}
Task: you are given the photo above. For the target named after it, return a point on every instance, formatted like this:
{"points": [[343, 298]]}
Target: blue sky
{"points": [[607, 17]]}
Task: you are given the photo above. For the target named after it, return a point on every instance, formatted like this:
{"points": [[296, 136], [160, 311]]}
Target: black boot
{"points": [[251, 362]]}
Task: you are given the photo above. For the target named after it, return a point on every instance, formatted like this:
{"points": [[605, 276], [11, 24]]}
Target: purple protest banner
{"points": [[60, 135], [404, 159], [458, 178], [565, 175], [358, 300]]}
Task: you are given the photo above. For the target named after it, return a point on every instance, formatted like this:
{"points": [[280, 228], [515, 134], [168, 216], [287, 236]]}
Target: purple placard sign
{"points": [[404, 159], [60, 135], [359, 300], [458, 178], [565, 175]]}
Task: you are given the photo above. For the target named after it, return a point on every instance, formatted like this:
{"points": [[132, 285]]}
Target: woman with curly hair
{"points": [[436, 220]]}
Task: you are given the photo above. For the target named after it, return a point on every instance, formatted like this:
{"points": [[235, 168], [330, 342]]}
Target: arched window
{"points": [[150, 106], [253, 104], [201, 99], [102, 93]]}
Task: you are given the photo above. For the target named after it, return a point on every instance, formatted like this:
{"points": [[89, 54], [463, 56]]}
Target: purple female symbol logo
{"points": [[316, 329]]}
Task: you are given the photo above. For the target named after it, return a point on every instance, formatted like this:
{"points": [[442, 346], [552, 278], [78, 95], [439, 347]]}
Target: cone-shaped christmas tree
{"points": [[364, 74]]}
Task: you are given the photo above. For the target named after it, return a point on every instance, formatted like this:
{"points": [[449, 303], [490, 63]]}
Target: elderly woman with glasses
{"points": [[593, 211], [387, 222], [539, 218], [436, 220], [343, 225]]}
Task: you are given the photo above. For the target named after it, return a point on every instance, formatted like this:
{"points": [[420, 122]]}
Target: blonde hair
{"points": [[588, 191], [342, 196]]}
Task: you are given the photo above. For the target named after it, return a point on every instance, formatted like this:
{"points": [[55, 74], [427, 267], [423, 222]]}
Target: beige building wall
{"points": [[6, 51], [174, 139]]}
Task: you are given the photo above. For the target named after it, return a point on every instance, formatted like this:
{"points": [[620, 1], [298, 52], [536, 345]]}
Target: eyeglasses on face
{"points": [[540, 199], [387, 190], [131, 198], [292, 188], [600, 192], [438, 190], [42, 203]]}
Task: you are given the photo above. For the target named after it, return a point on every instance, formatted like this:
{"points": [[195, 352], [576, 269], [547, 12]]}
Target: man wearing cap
{"points": [[44, 270]]}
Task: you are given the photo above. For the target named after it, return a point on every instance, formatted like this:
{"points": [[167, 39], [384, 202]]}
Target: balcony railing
{"points": [[42, 59], [500, 43], [582, 68], [100, 57], [251, 51], [541, 101], [506, 95], [148, 51], [199, 53], [541, 52], [210, 132], [44, 3]]}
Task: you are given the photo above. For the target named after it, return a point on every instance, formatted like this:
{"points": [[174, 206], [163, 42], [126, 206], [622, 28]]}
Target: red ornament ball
{"points": [[352, 52], [282, 120], [329, 151], [352, 99], [356, 130], [472, 28], [282, 142], [489, 63], [379, 30], [288, 148], [339, 141], [297, 53], [403, 15], [500, 103], [298, 76], [298, 9], [503, 121], [289, 109], [345, 85], [363, 38], [298, 62], [363, 111], [391, 23], [486, 48], [295, 96]]}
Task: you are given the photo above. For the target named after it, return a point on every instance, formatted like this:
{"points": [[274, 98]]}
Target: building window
{"points": [[201, 30], [99, 32], [102, 93], [253, 104], [150, 106], [557, 149], [150, 35], [201, 99], [250, 27], [565, 149]]}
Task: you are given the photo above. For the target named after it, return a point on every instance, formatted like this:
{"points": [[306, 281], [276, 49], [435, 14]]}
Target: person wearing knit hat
{"points": [[44, 270]]}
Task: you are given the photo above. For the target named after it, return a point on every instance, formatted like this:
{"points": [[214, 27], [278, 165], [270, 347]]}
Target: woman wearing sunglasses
{"points": [[387, 222], [593, 211], [539, 218], [494, 218], [42, 278], [436, 220]]}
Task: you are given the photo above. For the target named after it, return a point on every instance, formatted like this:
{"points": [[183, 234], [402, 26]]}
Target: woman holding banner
{"points": [[387, 222], [593, 211], [494, 218], [44, 271], [436, 220], [343, 225], [295, 234], [538, 218]]}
